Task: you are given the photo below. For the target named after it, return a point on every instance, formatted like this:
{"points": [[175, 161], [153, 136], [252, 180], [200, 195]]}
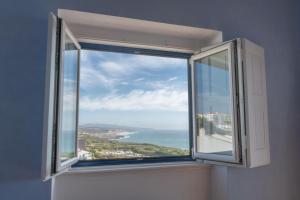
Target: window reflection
{"points": [[69, 95], [213, 104]]}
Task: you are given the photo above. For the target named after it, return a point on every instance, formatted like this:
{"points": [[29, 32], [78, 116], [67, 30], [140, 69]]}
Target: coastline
{"points": [[169, 138], [125, 135]]}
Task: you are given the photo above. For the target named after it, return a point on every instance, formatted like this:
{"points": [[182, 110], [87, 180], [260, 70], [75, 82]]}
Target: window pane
{"points": [[214, 104], [132, 106], [68, 123]]}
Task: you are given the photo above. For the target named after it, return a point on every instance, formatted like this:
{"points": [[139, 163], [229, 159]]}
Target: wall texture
{"points": [[274, 24], [191, 183]]}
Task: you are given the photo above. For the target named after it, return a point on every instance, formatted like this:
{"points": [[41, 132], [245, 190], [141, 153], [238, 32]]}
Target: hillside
{"points": [[110, 149]]}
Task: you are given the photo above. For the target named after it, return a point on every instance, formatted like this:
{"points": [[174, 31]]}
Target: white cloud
{"points": [[86, 55], [131, 64], [166, 99], [173, 82], [173, 78], [150, 62], [90, 77], [114, 68], [139, 79], [104, 70]]}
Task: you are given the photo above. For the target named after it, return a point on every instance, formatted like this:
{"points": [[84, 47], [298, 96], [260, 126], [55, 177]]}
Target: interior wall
{"points": [[23, 36], [218, 189], [168, 183], [274, 24]]}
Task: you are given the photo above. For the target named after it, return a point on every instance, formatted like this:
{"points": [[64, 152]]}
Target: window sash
{"points": [[236, 156], [65, 31]]}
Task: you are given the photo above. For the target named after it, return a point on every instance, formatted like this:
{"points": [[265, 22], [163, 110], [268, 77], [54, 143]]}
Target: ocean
{"points": [[167, 138]]}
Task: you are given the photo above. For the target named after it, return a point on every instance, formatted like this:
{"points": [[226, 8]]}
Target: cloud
{"points": [[139, 79], [87, 56], [90, 77], [114, 64], [114, 68], [173, 78], [102, 73], [171, 82], [151, 62], [164, 99], [107, 69]]}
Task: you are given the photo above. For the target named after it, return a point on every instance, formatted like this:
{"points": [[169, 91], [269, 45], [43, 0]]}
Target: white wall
{"points": [[218, 183], [174, 183]]}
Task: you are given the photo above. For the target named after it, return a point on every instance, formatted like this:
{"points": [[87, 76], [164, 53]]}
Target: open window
{"points": [[215, 111], [67, 99], [230, 122], [62, 92], [226, 109]]}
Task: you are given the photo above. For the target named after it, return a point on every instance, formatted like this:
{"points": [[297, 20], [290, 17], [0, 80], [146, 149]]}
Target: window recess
{"points": [[227, 88]]}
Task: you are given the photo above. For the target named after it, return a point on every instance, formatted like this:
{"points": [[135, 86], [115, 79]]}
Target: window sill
{"points": [[129, 167]]}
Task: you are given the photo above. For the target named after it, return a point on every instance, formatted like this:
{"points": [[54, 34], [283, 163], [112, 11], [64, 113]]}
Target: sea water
{"points": [[168, 138]]}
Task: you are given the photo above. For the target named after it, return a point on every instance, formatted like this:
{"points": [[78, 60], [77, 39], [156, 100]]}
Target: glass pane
{"points": [[214, 104], [132, 106], [69, 88]]}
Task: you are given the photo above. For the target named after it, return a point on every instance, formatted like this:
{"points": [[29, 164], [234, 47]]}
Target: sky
{"points": [[133, 90], [141, 90], [213, 84]]}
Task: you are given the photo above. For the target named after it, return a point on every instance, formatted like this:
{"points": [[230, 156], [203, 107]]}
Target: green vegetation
{"points": [[110, 149]]}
